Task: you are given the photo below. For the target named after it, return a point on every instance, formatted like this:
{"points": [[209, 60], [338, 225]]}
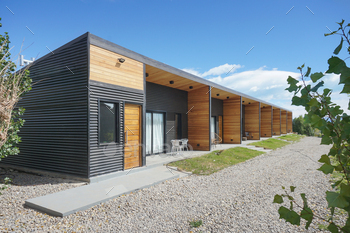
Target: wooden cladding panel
{"points": [[232, 120], [252, 120], [283, 122], [276, 122], [104, 67], [290, 122], [220, 126], [132, 150], [266, 122], [199, 118]]}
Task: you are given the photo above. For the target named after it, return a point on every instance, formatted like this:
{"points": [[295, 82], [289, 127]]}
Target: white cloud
{"points": [[223, 69], [268, 85], [192, 71], [219, 70]]}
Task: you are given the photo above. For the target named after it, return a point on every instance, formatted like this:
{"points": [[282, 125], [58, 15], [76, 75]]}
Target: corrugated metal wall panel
{"points": [[170, 100], [217, 107], [107, 159], [54, 136]]}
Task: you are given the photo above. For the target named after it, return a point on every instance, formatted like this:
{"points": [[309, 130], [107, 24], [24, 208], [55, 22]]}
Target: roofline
{"points": [[105, 44]]}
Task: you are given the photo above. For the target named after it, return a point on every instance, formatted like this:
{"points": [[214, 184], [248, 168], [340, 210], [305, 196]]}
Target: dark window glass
{"points": [[108, 116]]}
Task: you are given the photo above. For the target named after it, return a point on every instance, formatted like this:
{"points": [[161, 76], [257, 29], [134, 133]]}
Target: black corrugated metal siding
{"points": [[107, 159], [171, 101], [54, 136], [217, 107]]}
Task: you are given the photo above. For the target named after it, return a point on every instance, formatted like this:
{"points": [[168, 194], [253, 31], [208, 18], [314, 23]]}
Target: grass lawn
{"points": [[292, 137], [216, 160], [270, 143]]}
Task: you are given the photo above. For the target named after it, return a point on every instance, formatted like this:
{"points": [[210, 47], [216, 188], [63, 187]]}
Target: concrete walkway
{"points": [[110, 186], [81, 198]]}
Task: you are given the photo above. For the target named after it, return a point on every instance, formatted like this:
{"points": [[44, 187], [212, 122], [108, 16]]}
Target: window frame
{"points": [[117, 120]]}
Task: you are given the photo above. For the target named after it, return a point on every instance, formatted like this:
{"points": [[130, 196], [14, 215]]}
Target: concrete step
{"points": [[81, 198]]}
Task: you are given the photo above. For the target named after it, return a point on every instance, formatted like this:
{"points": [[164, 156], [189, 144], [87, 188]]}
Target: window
{"points": [[108, 122]]}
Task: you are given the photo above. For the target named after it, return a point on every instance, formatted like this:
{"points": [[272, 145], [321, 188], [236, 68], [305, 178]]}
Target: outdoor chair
{"points": [[184, 145], [176, 146], [215, 139]]}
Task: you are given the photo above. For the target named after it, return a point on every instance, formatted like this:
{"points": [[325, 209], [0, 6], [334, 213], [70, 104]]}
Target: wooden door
{"points": [[132, 134]]}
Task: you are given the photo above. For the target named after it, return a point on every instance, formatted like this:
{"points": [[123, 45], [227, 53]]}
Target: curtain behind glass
{"points": [[158, 132], [148, 133]]}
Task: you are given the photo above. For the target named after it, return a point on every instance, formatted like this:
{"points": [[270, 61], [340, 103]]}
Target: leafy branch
{"points": [[334, 124]]}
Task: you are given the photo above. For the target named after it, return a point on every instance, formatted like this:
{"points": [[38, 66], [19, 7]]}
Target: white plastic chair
{"points": [[184, 145], [176, 146]]}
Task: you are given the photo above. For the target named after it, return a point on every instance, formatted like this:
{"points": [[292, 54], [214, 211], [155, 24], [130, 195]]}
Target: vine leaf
{"points": [[325, 159], [315, 88], [335, 65], [306, 213], [326, 169], [332, 228], [316, 76], [336, 200], [278, 199], [338, 48], [289, 215]]}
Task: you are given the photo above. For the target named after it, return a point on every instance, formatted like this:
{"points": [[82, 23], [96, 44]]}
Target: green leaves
{"points": [[315, 88], [336, 200], [289, 215], [335, 65], [292, 84], [332, 228], [278, 199], [338, 48], [334, 124], [316, 76], [326, 168]]}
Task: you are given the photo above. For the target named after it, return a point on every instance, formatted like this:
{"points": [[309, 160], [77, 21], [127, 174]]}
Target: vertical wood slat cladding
{"points": [[132, 150], [290, 122], [276, 119], [105, 67], [232, 121], [108, 159], [220, 127], [54, 136], [252, 120], [199, 118], [266, 122], [283, 122]]}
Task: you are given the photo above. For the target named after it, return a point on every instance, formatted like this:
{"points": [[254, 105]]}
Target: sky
{"points": [[249, 46]]}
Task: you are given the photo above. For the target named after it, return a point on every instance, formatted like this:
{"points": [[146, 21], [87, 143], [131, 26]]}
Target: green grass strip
{"points": [[270, 143], [292, 137], [216, 160]]}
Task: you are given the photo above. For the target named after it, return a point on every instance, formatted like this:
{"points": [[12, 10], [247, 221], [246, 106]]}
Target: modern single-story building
{"points": [[98, 108]]}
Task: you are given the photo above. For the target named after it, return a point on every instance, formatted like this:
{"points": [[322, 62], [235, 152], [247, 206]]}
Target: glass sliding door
{"points": [[154, 133]]}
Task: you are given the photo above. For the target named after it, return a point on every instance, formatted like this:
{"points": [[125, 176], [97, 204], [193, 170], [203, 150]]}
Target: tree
{"points": [[13, 85], [301, 127], [334, 124]]}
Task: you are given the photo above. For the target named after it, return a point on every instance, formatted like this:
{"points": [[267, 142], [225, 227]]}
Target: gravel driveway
{"points": [[236, 199]]}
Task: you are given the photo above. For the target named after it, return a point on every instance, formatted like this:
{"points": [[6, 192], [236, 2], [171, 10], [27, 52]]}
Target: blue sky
{"points": [[206, 38]]}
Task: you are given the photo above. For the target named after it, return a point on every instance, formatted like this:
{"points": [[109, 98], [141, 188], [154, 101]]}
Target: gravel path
{"points": [[236, 199]]}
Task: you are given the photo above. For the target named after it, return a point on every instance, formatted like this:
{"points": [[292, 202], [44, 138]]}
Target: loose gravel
{"points": [[236, 199]]}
